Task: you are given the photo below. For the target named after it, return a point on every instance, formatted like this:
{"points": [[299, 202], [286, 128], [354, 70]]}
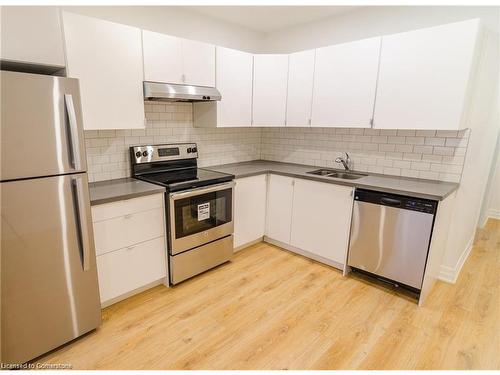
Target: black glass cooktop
{"points": [[181, 179]]}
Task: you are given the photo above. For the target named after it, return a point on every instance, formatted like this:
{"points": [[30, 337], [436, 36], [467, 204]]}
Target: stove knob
{"points": [[189, 150], [145, 153], [138, 154], [194, 149]]}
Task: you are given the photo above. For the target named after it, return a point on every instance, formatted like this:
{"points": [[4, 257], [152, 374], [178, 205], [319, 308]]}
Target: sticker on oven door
{"points": [[203, 211]]}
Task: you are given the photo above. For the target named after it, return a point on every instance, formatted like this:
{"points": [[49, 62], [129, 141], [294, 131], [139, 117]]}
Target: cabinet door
{"points": [[249, 209], [345, 79], [32, 35], [107, 59], [279, 207], [270, 73], [300, 88], [125, 270], [123, 231], [321, 219], [162, 57], [198, 61], [234, 81], [424, 76]]}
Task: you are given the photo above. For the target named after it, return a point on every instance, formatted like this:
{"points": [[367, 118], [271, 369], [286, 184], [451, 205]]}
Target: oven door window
{"points": [[202, 212]]}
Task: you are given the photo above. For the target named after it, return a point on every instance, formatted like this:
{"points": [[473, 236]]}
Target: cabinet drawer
{"points": [[126, 207], [127, 269], [123, 231]]}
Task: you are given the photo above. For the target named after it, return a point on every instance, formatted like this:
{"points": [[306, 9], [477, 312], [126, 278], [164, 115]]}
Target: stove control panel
{"points": [[165, 152]]}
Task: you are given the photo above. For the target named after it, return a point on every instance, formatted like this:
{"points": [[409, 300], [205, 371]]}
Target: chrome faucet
{"points": [[345, 162]]}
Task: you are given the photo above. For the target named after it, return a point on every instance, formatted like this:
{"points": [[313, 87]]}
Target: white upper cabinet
{"points": [[270, 76], [234, 81], [321, 219], [345, 79], [198, 62], [176, 60], [424, 76], [107, 59], [300, 88], [162, 57], [32, 34]]}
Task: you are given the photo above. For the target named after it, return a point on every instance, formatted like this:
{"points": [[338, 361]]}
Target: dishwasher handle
{"points": [[390, 201]]}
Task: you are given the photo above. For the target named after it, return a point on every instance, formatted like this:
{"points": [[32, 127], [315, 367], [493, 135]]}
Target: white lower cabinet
{"points": [[130, 246], [279, 207], [312, 218], [123, 271], [321, 219], [249, 209]]}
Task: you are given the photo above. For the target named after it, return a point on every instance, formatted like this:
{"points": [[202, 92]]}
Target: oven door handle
{"points": [[202, 190]]}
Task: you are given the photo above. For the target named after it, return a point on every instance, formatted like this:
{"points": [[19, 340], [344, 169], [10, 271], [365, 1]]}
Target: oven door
{"points": [[199, 216]]}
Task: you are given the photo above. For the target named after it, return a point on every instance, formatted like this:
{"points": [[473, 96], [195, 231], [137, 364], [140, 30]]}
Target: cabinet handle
{"points": [[183, 78]]}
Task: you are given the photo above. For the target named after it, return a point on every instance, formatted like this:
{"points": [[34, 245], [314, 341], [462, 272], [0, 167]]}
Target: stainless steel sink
{"points": [[337, 174]]}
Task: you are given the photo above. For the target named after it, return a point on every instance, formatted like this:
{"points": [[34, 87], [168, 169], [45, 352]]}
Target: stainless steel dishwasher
{"points": [[390, 236]]}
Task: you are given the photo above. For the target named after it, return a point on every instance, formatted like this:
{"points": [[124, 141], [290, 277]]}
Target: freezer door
{"points": [[41, 126], [390, 242], [49, 290]]}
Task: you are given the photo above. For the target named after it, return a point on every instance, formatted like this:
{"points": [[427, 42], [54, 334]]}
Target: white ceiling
{"points": [[270, 18]]}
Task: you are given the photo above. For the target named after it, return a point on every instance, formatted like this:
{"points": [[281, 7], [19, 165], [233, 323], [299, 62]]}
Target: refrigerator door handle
{"points": [[82, 222], [73, 132]]}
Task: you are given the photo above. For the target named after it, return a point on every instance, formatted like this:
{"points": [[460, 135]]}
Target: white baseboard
{"points": [[304, 253], [493, 214], [450, 274], [248, 244]]}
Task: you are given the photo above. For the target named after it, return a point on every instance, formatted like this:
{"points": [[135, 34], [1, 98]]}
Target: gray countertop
{"points": [[429, 189], [119, 189]]}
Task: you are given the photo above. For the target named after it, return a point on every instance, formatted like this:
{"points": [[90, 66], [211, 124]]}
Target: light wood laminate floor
{"points": [[271, 309]]}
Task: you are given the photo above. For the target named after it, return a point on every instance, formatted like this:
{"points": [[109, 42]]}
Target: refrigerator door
{"points": [[49, 290], [41, 126]]}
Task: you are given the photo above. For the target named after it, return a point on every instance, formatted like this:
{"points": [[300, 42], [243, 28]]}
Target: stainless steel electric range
{"points": [[199, 206]]}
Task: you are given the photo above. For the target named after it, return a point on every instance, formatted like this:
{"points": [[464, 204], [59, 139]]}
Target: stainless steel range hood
{"points": [[170, 92]]}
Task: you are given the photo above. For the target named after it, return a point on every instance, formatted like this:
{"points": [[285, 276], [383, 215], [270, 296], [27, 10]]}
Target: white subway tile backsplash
{"points": [[425, 133], [431, 154], [405, 132], [396, 140], [108, 150], [415, 140], [404, 148], [395, 152]]}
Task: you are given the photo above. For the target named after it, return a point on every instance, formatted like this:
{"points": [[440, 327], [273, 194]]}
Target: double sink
{"points": [[337, 174]]}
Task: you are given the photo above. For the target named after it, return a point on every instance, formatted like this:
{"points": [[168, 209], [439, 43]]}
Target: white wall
{"points": [[371, 21], [483, 119], [177, 21], [491, 203], [494, 202]]}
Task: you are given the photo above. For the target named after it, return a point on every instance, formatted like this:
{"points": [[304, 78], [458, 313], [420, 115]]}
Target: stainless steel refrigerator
{"points": [[49, 290]]}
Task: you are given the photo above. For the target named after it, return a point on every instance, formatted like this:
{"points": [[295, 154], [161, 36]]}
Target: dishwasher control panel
{"points": [[396, 201]]}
